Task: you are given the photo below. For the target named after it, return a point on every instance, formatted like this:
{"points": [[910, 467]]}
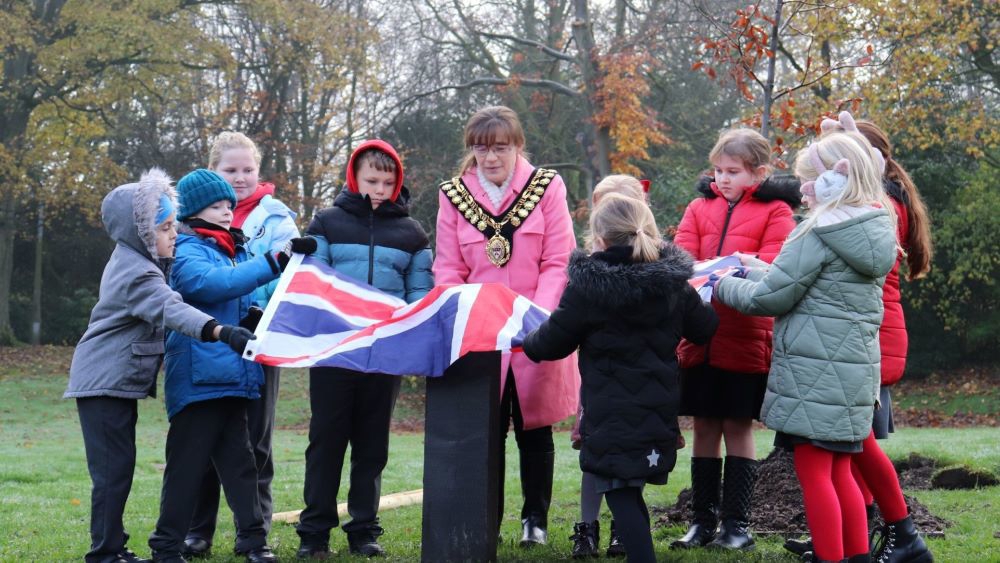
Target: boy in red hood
{"points": [[369, 236], [268, 224]]}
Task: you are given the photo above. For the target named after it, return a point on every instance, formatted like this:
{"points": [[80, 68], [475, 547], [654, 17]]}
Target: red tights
{"points": [[835, 509], [878, 481]]}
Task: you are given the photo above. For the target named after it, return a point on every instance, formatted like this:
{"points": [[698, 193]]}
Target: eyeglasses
{"points": [[499, 150]]}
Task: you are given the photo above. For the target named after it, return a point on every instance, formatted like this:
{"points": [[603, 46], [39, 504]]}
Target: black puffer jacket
{"points": [[627, 319]]}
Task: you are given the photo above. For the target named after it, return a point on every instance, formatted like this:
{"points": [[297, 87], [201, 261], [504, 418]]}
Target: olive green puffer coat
{"points": [[825, 290]]}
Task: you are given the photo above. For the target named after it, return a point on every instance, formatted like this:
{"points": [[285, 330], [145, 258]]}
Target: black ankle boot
{"points": [[737, 490], [706, 478], [536, 486], [900, 543], [586, 537], [615, 546]]}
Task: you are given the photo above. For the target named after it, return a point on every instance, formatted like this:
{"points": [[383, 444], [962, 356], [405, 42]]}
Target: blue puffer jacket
{"points": [[223, 288], [383, 247]]}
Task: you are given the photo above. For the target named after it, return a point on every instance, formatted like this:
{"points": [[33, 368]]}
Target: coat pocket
{"points": [[214, 364], [145, 360]]}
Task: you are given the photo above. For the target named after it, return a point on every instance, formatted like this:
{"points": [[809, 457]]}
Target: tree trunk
{"points": [[36, 290], [598, 158], [7, 230], [765, 119]]}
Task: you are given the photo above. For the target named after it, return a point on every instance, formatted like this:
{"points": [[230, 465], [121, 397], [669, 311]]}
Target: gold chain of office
{"points": [[498, 248]]}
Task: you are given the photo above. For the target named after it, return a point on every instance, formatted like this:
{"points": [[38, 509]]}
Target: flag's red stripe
{"points": [[347, 303], [488, 314], [277, 360]]}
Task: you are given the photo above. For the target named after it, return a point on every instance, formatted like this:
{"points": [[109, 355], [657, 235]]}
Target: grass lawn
{"points": [[45, 488]]}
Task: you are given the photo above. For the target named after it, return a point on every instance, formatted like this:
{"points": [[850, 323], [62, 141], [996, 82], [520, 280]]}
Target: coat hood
{"points": [[610, 278], [782, 188], [866, 242], [129, 211], [352, 183]]}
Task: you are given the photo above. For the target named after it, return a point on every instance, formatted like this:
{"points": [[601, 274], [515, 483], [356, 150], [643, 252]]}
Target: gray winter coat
{"points": [[825, 290], [122, 349]]}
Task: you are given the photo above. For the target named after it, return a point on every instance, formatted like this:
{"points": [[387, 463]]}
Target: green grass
{"points": [[44, 485]]}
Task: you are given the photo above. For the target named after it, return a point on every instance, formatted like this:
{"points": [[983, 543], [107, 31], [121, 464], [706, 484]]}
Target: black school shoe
{"points": [[197, 547], [127, 556], [261, 554], [313, 550], [365, 541]]}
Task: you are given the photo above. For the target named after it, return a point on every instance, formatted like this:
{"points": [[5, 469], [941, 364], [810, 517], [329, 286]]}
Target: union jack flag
{"points": [[319, 318], [722, 266]]}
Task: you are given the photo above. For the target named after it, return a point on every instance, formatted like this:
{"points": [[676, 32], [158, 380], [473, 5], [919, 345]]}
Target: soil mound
{"points": [[777, 499]]}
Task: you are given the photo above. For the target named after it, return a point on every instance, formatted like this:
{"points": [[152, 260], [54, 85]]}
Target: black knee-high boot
{"points": [[737, 489], [536, 485], [706, 479]]}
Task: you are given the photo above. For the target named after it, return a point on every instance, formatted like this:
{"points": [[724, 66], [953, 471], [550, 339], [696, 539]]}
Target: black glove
{"points": [[302, 245], [236, 337], [250, 321]]}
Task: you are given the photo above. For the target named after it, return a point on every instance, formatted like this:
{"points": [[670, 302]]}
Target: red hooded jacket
{"points": [[757, 224], [352, 183]]}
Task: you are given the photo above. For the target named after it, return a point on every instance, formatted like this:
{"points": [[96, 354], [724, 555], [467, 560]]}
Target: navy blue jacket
{"points": [[383, 247], [222, 287]]}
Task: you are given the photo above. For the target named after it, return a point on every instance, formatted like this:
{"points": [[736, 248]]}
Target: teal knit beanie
{"points": [[199, 189]]}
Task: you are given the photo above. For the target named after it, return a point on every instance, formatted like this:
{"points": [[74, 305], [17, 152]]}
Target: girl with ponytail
{"points": [[626, 307]]}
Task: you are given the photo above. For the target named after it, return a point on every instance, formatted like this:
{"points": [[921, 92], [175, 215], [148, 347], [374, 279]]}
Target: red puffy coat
{"points": [[893, 339], [757, 224]]}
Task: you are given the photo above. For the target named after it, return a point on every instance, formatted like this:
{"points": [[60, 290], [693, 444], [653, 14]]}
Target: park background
{"points": [[95, 92]]}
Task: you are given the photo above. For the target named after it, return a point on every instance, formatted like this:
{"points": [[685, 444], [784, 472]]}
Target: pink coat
{"points": [[548, 392]]}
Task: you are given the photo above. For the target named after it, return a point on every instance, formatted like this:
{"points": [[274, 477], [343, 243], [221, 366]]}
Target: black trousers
{"points": [[215, 432], [108, 425], [535, 448], [260, 423], [347, 408]]}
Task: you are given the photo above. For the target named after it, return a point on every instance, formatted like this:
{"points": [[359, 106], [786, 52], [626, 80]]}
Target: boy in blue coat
{"points": [[116, 361], [369, 236], [207, 390]]}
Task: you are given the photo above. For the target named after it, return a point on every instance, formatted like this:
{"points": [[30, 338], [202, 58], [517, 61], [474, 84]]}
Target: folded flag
{"points": [[722, 266], [320, 318]]}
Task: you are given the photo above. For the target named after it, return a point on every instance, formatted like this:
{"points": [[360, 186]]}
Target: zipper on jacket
{"points": [[718, 251], [371, 246], [725, 227]]}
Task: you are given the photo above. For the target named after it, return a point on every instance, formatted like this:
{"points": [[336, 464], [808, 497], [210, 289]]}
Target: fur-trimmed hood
{"points": [[610, 278], [782, 188], [129, 211]]}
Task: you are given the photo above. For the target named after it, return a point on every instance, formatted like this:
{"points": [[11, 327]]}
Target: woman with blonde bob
{"points": [[825, 291]]}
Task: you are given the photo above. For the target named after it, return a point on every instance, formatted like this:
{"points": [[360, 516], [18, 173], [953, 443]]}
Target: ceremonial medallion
{"points": [[498, 250]]}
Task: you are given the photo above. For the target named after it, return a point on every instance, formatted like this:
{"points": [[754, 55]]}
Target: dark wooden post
{"points": [[461, 446]]}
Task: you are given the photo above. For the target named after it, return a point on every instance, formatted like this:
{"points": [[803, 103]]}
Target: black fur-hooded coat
{"points": [[626, 318]]}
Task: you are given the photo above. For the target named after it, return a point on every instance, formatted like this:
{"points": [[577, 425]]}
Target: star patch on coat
{"points": [[653, 457]]}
